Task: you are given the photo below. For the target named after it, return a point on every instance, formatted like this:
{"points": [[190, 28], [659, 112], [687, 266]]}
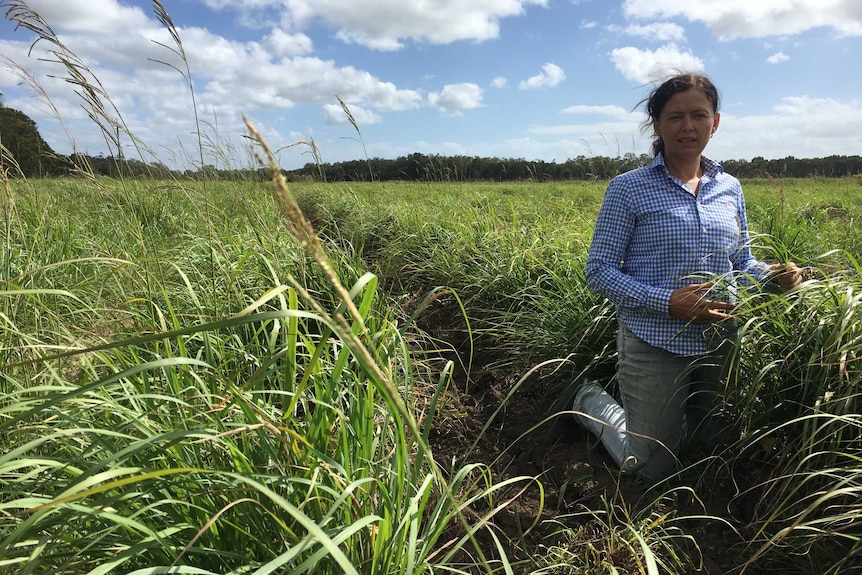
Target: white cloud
{"points": [[799, 126], [550, 76], [233, 75], [223, 4], [335, 115], [644, 66], [91, 16], [750, 19], [778, 57], [386, 24], [499, 82], [381, 43], [613, 111], [834, 113], [660, 31], [527, 147], [456, 97], [281, 44], [602, 138], [588, 24]]}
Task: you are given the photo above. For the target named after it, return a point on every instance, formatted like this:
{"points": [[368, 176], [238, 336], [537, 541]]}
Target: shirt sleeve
{"points": [[614, 228]]}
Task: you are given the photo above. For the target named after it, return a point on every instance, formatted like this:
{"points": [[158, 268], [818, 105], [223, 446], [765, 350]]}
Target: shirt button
{"points": [[704, 230]]}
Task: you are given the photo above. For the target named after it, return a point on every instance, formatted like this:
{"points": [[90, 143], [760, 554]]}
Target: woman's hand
{"points": [[788, 275], [688, 303]]}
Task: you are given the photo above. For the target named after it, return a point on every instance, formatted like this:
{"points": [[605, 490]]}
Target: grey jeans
{"points": [[666, 401]]}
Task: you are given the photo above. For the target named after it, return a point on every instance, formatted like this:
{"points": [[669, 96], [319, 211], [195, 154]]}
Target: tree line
{"points": [[25, 153], [422, 167]]}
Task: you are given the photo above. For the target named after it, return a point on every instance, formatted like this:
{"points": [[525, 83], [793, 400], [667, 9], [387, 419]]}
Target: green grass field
{"points": [[188, 388]]}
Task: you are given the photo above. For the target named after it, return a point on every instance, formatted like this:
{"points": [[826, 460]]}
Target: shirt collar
{"points": [[710, 167]]}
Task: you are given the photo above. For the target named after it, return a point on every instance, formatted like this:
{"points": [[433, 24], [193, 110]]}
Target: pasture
{"points": [[237, 377]]}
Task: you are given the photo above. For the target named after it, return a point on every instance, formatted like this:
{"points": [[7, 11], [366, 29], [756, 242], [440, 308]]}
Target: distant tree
{"points": [[21, 139]]}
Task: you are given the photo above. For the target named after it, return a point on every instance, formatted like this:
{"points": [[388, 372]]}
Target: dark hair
{"points": [[660, 96]]}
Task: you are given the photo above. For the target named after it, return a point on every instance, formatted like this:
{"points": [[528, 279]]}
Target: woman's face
{"points": [[685, 124]]}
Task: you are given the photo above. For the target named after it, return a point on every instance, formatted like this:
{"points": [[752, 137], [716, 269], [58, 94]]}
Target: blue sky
{"points": [[534, 79]]}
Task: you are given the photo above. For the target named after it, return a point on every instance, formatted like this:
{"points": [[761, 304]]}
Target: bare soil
{"points": [[530, 435]]}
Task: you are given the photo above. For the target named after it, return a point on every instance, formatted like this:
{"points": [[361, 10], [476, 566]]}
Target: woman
{"points": [[670, 245]]}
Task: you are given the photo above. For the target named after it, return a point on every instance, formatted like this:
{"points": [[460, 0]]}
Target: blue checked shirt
{"points": [[654, 235]]}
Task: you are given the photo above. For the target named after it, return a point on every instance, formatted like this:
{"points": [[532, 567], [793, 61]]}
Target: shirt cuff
{"points": [[658, 299]]}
